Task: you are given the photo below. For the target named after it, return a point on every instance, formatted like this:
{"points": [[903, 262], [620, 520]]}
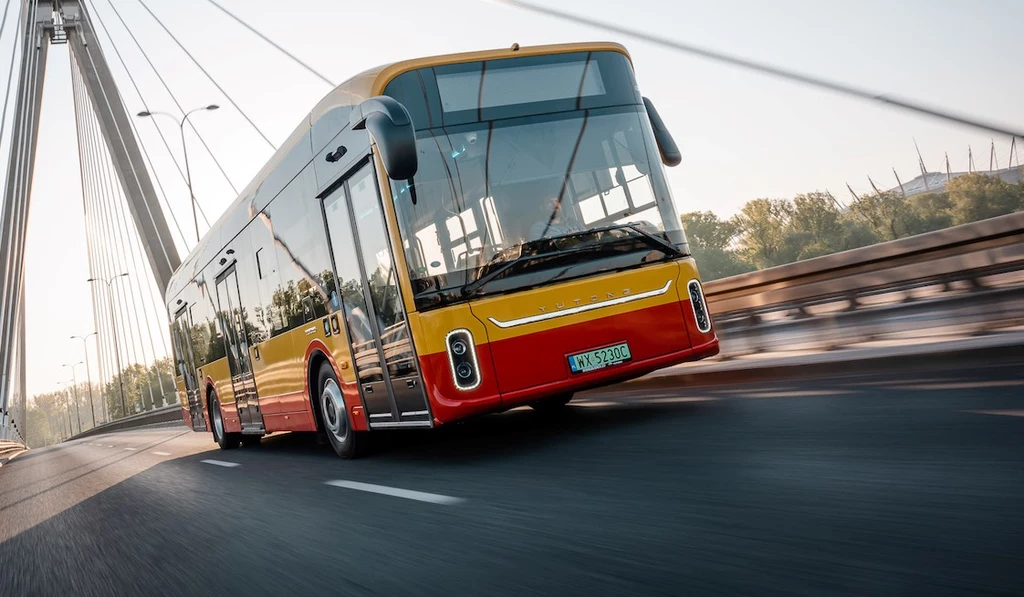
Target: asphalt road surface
{"points": [[888, 484]]}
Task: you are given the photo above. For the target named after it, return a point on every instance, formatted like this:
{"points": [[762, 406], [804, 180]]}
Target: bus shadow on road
{"points": [[506, 434]]}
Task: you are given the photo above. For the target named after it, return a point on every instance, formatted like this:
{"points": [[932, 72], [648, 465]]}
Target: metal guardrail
{"points": [[157, 415], [774, 307]]}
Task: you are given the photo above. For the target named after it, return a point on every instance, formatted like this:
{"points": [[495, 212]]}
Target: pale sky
{"points": [[742, 135]]}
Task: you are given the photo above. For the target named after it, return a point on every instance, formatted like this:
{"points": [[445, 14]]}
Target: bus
{"points": [[441, 238]]}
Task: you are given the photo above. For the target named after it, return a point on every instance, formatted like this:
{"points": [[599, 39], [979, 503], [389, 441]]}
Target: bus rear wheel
{"points": [[551, 404], [225, 440], [347, 443]]}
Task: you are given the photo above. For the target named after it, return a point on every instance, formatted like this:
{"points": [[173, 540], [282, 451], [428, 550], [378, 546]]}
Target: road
{"points": [[895, 484]]}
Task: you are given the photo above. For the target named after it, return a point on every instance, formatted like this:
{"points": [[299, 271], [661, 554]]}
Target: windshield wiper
{"points": [[655, 241], [648, 238]]}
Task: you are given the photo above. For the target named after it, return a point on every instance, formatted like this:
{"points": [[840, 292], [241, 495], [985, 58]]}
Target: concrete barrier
{"points": [[158, 415]]}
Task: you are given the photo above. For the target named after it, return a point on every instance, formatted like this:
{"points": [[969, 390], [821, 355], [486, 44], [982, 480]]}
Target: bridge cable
{"points": [[142, 146], [112, 196], [114, 265], [174, 98], [271, 42], [131, 164], [159, 131], [86, 179], [208, 76], [840, 88], [10, 71], [75, 90]]}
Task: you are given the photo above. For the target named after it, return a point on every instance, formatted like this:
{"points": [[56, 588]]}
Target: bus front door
{"points": [[378, 330], [186, 365], [236, 339]]}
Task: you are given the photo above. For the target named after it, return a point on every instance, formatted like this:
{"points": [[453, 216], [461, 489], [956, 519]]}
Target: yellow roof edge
{"points": [[389, 72]]}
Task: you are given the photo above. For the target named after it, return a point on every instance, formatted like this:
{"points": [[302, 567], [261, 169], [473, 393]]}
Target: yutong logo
{"points": [[591, 300]]}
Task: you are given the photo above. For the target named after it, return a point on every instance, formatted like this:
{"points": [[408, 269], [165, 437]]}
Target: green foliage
{"points": [[764, 226], [976, 197], [770, 232]]}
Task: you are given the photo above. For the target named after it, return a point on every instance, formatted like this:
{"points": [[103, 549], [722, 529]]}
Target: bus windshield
{"points": [[564, 194]]}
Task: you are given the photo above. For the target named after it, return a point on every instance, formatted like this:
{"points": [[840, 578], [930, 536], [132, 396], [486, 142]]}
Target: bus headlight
{"points": [[700, 306], [462, 358]]}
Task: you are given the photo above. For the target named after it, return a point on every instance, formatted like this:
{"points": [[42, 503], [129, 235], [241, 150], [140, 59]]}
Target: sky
{"points": [[742, 135]]}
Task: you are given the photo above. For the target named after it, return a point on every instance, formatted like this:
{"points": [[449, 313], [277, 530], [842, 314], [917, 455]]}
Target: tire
{"points": [[330, 403], [226, 441], [551, 404]]}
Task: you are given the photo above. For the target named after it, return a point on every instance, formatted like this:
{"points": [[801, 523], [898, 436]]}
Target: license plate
{"points": [[592, 360]]}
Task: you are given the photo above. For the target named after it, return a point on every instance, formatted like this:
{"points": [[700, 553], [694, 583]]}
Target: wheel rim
{"points": [[333, 407], [218, 422]]}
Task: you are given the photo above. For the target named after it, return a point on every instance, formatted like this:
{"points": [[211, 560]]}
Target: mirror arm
{"points": [[390, 125], [666, 144]]}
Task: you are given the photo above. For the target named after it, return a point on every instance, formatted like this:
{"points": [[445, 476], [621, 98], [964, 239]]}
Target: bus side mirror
{"points": [[390, 125], [666, 144]]}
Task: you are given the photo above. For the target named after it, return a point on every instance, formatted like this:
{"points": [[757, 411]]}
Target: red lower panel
{"points": [[229, 413], [541, 358], [609, 375], [448, 402], [187, 417], [294, 414]]}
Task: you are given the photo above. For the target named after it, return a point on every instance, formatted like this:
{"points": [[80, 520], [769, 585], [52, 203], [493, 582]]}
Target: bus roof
{"points": [[331, 114]]}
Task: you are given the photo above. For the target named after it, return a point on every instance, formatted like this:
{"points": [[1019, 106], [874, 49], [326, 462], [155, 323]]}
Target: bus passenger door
{"points": [[382, 350], [187, 366], [236, 339]]}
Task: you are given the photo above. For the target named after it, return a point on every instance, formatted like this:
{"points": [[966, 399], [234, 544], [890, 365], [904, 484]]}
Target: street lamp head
{"points": [[124, 275], [144, 113], [212, 107], [92, 280]]}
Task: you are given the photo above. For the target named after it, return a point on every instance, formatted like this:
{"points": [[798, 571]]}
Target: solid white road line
{"points": [[408, 494], [162, 453], [223, 463]]}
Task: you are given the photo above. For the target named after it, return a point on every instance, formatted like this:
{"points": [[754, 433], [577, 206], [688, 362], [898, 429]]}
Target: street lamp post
{"points": [[113, 326], [184, 151], [88, 374], [74, 391]]}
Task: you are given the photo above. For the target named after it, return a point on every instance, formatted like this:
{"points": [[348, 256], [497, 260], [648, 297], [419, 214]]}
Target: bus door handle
{"points": [[368, 389], [410, 383], [256, 352]]}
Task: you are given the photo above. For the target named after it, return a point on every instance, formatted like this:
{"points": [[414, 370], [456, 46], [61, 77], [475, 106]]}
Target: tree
{"points": [[974, 197], [764, 225], [886, 213], [711, 240], [931, 211], [817, 225]]}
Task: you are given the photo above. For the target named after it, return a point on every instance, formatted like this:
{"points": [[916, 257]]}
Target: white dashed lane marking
{"points": [[420, 496], [162, 453], [223, 463], [131, 449]]}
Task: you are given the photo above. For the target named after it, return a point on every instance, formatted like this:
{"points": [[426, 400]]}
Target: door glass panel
{"points": [[226, 325], [380, 274], [350, 286]]}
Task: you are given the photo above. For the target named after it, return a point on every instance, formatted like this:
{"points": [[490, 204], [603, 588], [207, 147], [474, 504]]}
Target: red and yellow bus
{"points": [[440, 238]]}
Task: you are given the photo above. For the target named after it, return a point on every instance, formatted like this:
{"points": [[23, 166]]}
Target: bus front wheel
{"points": [[346, 442]]}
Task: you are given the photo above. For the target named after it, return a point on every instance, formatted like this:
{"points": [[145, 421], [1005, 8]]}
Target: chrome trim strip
{"points": [[391, 425], [380, 415], [582, 308], [704, 303], [416, 413]]}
